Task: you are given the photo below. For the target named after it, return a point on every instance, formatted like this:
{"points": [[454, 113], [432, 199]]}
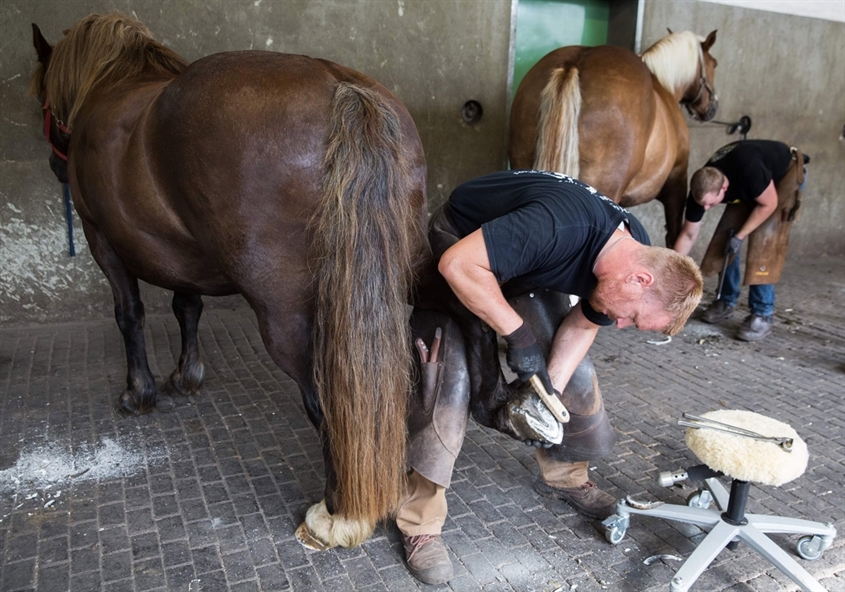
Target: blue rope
{"points": [[69, 217]]}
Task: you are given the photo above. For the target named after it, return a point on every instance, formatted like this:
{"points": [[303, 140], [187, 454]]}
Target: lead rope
{"points": [[69, 218]]}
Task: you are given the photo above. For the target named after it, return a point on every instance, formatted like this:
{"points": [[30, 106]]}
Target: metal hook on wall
{"points": [[742, 126]]}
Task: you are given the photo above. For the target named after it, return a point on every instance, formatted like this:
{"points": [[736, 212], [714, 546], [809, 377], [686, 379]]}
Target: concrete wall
{"points": [[786, 72], [433, 54]]}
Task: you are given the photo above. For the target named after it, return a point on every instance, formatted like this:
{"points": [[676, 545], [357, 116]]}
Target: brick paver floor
{"points": [[204, 493]]}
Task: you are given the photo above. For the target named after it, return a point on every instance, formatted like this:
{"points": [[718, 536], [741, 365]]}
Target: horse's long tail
{"points": [[557, 132], [367, 236]]}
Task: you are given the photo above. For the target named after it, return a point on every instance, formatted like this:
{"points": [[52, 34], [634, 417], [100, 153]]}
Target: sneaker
{"points": [[754, 328], [427, 558], [587, 499], [718, 311]]}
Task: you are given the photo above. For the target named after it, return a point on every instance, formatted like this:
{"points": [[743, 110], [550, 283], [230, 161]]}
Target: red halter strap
{"points": [[48, 118]]}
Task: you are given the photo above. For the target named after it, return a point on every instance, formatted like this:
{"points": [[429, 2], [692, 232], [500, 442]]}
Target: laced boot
{"points": [[718, 311], [427, 558], [587, 499], [754, 328]]}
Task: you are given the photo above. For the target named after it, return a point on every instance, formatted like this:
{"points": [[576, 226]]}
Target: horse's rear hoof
{"points": [[127, 404], [186, 383], [308, 539]]}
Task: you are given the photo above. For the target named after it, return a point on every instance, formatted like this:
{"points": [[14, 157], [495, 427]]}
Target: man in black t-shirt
{"points": [[514, 233], [747, 172]]}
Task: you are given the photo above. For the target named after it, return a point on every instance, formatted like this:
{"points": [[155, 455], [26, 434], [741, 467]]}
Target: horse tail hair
{"points": [[367, 236], [557, 135]]}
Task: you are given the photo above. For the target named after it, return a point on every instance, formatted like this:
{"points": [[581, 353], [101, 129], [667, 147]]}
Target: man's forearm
{"points": [[759, 214], [466, 268], [767, 203], [686, 239], [571, 343]]}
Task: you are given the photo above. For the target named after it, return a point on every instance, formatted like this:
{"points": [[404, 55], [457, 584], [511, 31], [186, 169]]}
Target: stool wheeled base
{"points": [[728, 524]]}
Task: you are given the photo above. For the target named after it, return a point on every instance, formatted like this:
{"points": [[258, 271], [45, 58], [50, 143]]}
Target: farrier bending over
{"points": [[747, 172], [516, 232]]}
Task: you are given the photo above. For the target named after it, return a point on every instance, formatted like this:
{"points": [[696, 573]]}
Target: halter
{"points": [[702, 85], [48, 119]]}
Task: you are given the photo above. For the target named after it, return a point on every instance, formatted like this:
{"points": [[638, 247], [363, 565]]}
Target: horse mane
{"points": [[101, 48], [674, 59]]}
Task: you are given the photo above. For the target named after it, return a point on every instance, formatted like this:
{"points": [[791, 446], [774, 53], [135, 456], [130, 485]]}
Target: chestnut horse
{"points": [[293, 181], [611, 119]]}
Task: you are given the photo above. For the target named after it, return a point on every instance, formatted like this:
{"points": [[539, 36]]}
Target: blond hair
{"points": [[678, 284], [705, 180]]}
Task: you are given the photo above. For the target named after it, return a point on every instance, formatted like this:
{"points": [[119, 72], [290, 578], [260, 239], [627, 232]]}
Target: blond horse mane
{"points": [[674, 60], [100, 48]]}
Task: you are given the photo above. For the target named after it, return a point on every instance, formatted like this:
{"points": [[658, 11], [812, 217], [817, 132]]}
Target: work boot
{"points": [[427, 558], [754, 328], [587, 499], [718, 311]]}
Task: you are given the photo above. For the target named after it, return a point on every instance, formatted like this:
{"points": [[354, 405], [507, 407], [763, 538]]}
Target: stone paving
{"points": [[204, 494]]}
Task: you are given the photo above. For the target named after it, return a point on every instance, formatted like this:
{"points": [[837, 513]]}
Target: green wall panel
{"points": [[544, 25]]}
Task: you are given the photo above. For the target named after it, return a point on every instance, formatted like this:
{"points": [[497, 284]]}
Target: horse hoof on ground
{"points": [[185, 383], [321, 530], [128, 404]]}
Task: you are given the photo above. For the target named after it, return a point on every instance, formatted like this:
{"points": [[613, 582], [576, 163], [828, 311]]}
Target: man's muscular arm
{"points": [[686, 239], [466, 267], [571, 343], [767, 202]]}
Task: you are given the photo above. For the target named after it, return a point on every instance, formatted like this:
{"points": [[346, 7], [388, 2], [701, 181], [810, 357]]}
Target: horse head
{"points": [[682, 64], [55, 131], [98, 49], [704, 102]]}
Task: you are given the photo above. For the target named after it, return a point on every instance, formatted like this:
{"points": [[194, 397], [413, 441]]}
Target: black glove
{"points": [[525, 357], [732, 246]]}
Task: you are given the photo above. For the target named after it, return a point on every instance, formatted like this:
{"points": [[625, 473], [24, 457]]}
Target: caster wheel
{"points": [[810, 547], [614, 535], [699, 499]]}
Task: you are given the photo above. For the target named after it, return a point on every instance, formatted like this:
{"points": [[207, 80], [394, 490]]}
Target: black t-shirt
{"points": [[541, 230], [749, 165]]}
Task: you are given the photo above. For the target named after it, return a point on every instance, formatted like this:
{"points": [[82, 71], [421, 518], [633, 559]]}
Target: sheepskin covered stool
{"points": [[748, 459], [748, 448]]}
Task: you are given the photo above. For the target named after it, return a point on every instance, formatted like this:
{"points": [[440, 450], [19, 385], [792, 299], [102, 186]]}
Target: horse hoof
{"points": [[308, 539], [127, 405], [186, 383]]}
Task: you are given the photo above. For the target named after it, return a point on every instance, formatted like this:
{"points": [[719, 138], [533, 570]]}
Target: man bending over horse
{"points": [[747, 173], [508, 250]]}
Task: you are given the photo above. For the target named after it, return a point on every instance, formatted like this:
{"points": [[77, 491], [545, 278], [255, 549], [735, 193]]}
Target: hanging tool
{"points": [[712, 424], [728, 259]]}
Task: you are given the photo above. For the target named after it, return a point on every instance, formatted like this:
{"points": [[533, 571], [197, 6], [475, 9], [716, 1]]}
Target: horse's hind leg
{"points": [[187, 377], [673, 196], [140, 393]]}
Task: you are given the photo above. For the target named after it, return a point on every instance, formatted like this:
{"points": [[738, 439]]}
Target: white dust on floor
{"points": [[42, 472]]}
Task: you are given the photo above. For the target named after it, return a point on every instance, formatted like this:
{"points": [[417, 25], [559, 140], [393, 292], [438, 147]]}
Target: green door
{"points": [[544, 25]]}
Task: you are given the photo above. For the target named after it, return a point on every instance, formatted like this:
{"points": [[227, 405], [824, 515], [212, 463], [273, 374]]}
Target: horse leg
{"points": [[188, 375], [140, 393], [673, 196], [288, 341]]}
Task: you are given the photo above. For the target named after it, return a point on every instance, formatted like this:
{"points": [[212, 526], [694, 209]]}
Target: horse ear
{"points": [[42, 47], [708, 43]]}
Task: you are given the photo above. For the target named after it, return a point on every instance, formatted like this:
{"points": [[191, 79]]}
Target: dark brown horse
{"points": [[610, 118], [295, 182]]}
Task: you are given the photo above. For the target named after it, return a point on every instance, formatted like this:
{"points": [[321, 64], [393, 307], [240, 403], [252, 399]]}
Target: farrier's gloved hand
{"points": [[732, 247], [525, 357]]}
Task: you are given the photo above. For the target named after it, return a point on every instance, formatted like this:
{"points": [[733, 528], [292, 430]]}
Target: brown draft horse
{"points": [[610, 118], [296, 182]]}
